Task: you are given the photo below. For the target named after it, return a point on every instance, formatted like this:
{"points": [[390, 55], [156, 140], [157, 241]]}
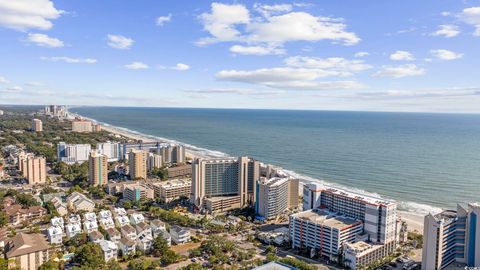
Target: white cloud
{"points": [[70, 60], [119, 42], [361, 54], [446, 54], [28, 14], [35, 83], [471, 16], [256, 50], [445, 13], [13, 89], [236, 91], [446, 30], [178, 66], [3, 80], [43, 40], [402, 56], [268, 10], [344, 66], [136, 65], [161, 20], [223, 21], [422, 93], [220, 23], [181, 67], [400, 71]]}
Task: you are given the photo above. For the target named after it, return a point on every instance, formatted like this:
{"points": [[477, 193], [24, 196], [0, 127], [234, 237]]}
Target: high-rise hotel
{"points": [[137, 164], [222, 184], [452, 236]]}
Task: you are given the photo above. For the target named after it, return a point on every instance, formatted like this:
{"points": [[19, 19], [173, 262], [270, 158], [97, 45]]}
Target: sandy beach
{"points": [[414, 221]]}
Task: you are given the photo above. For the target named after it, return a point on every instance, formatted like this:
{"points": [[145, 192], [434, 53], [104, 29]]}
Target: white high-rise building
{"points": [[73, 153], [274, 196], [154, 161], [452, 236], [111, 150]]}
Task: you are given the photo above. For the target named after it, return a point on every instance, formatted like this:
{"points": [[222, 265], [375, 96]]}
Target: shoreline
{"points": [[414, 220]]}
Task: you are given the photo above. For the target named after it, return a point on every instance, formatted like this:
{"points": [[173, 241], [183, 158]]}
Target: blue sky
{"points": [[371, 55]]}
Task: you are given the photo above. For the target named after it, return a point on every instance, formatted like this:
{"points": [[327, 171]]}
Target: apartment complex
{"points": [[33, 168], [323, 231], [58, 111], [137, 162], [80, 125], [179, 171], [275, 196], [221, 184], [27, 251], [452, 236], [173, 154], [73, 153], [97, 169], [37, 125], [171, 190], [138, 192], [111, 149]]}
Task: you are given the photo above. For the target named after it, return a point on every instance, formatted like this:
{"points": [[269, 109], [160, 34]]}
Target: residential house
{"points": [[55, 234], [57, 221], [79, 202], [121, 221], [144, 241], [136, 218], [60, 206], [109, 249], [126, 246], [179, 234], [113, 235], [90, 226], [73, 229], [119, 212], [157, 227], [75, 219], [143, 228], [129, 232], [95, 237]]}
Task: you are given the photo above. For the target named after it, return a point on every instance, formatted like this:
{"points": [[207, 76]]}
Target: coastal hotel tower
{"points": [[222, 184], [452, 236]]}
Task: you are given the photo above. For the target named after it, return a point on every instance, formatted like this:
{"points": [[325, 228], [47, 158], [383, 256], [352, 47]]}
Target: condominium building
{"points": [[232, 177], [111, 150], [275, 196], [137, 162], [359, 255], [178, 154], [53, 110], [323, 231], [97, 169], [154, 161], [27, 251], [37, 125], [33, 168], [179, 171], [452, 236], [171, 190], [138, 193], [379, 215], [80, 125], [73, 153]]}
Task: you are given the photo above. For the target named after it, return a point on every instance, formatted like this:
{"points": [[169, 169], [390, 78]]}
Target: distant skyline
{"points": [[414, 56]]}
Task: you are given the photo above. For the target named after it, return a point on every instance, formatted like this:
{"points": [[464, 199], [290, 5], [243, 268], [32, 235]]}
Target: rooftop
{"points": [[327, 218], [23, 243]]}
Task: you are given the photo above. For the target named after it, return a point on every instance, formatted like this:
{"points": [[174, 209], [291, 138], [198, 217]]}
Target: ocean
{"points": [[424, 161]]}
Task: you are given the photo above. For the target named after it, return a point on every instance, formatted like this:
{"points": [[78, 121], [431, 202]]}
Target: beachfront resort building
{"points": [[222, 184], [138, 192], [27, 251], [97, 169], [73, 153], [452, 236], [37, 125], [275, 196], [137, 162], [377, 217], [80, 125], [111, 149], [154, 161]]}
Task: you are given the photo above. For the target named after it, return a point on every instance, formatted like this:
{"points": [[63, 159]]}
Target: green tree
{"points": [[89, 255], [50, 265], [160, 246]]}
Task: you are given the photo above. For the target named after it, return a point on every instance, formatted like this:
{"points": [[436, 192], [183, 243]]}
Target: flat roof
{"points": [[327, 218]]}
